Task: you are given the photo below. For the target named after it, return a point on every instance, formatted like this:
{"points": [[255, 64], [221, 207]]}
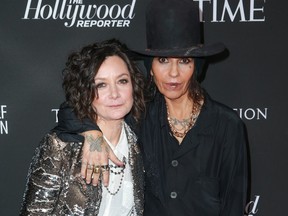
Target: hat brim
{"points": [[195, 51]]}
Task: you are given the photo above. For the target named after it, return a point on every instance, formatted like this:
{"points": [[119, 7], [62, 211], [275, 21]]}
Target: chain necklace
{"points": [[188, 125], [120, 172]]}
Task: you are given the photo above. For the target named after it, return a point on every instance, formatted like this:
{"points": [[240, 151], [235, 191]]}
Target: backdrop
{"points": [[36, 37]]}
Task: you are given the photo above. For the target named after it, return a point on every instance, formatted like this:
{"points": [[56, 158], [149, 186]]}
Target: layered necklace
{"points": [[117, 170], [185, 124]]}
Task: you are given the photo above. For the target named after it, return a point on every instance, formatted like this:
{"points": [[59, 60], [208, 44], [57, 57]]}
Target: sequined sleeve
{"points": [[44, 179]]}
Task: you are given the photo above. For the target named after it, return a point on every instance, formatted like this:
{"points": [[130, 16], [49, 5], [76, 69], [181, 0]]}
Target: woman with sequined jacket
{"points": [[101, 84]]}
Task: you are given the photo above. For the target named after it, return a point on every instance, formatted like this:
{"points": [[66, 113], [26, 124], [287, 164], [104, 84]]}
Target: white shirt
{"points": [[122, 203]]}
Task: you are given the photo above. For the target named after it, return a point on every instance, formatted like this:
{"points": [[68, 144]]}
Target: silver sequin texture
{"points": [[55, 187]]}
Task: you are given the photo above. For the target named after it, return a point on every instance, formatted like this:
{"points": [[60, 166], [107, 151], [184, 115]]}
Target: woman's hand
{"points": [[96, 153]]}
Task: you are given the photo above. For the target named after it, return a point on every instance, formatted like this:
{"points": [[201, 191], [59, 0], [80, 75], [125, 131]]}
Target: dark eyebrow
{"points": [[119, 76]]}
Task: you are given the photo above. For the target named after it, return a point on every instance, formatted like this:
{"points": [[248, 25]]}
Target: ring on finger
{"points": [[97, 169]]}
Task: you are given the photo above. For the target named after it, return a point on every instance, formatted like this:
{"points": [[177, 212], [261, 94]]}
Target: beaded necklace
{"points": [[113, 169]]}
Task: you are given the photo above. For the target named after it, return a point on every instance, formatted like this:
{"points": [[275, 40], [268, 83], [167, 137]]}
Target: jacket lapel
{"points": [[137, 169]]}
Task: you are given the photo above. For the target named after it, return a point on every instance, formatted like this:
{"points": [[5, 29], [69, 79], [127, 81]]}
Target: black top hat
{"points": [[173, 29]]}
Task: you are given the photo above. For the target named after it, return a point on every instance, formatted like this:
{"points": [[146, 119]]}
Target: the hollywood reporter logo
{"points": [[78, 14]]}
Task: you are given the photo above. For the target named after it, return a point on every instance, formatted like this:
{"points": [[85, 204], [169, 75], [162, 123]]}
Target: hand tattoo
{"points": [[95, 143]]}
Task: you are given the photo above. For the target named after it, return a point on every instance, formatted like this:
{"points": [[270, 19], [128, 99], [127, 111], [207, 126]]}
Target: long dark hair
{"points": [[81, 69], [196, 92]]}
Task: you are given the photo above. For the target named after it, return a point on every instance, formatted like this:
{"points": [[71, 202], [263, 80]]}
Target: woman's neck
{"points": [[111, 130], [181, 116], [179, 108]]}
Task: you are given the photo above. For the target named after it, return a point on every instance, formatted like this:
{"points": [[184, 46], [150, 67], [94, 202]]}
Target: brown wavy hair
{"points": [[81, 69]]}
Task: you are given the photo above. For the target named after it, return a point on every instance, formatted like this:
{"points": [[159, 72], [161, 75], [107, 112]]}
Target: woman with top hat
{"points": [[194, 148]]}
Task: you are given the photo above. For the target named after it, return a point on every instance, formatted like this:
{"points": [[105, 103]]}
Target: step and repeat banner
{"points": [[36, 37]]}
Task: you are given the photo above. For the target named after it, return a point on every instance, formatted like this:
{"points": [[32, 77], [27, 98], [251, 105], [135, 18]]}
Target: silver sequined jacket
{"points": [[55, 187]]}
